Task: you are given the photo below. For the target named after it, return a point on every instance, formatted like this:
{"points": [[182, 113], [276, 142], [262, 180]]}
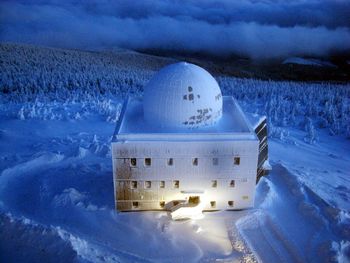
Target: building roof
{"points": [[182, 95], [232, 125]]}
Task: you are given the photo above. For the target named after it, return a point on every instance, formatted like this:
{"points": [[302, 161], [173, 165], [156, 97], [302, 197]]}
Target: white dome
{"points": [[182, 95]]}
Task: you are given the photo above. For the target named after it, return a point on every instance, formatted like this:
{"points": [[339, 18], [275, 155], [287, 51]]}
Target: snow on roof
{"points": [[308, 62], [182, 95], [132, 125]]}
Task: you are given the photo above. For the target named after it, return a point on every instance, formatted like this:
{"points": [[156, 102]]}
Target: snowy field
{"points": [[57, 115]]}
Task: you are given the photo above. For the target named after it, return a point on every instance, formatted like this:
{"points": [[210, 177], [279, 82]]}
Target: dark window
{"points": [[230, 203], [161, 184], [236, 160], [190, 96], [148, 161], [190, 89], [195, 161], [215, 161], [245, 197], [133, 162], [175, 203], [170, 161], [133, 184], [135, 204], [148, 184], [185, 97], [212, 204], [214, 183], [232, 183], [176, 184], [162, 204]]}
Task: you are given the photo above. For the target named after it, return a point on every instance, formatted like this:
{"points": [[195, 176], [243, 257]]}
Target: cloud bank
{"points": [[253, 28]]}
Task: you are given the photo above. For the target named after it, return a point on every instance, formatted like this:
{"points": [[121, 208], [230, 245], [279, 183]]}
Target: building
{"points": [[185, 143]]}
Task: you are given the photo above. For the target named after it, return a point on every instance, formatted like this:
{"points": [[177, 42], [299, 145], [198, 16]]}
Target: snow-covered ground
{"points": [[56, 189]]}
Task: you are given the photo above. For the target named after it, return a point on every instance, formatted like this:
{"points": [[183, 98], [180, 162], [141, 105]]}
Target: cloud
{"points": [[252, 28]]}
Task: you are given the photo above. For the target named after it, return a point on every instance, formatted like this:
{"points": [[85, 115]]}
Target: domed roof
{"points": [[182, 95]]}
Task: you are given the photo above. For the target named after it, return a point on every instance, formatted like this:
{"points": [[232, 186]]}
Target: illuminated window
{"points": [[133, 162], [162, 204], [176, 184], [133, 184], [148, 184], [195, 161], [170, 161], [245, 197], [236, 160], [135, 204], [162, 184], [212, 204], [215, 161], [214, 183], [232, 183], [148, 161], [230, 203]]}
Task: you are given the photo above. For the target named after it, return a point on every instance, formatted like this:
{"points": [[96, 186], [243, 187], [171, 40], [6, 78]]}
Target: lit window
{"points": [[214, 183], [215, 161], [148, 184], [133, 162], [245, 197], [236, 160], [135, 204], [170, 161], [212, 204], [230, 203], [133, 184], [232, 183], [162, 204], [176, 184], [161, 184], [148, 161], [195, 161]]}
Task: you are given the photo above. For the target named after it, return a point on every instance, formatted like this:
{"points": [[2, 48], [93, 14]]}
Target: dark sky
{"points": [[253, 28]]}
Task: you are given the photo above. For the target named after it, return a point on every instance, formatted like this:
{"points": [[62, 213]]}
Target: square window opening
{"points": [[133, 162], [162, 204], [230, 203], [212, 204], [148, 184], [232, 183], [195, 161], [133, 184], [214, 183], [176, 184], [236, 160], [148, 161], [162, 184], [135, 204], [170, 161]]}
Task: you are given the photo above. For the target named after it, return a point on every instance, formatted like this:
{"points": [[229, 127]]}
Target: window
{"points": [[133, 162], [135, 204], [236, 160], [195, 161], [133, 184], [148, 184], [170, 161], [176, 184], [148, 161], [215, 161], [244, 180], [212, 204], [230, 203], [162, 204], [232, 183], [245, 197], [214, 183], [162, 184]]}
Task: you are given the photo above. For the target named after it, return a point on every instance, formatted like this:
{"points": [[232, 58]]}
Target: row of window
{"points": [[176, 184], [170, 161], [136, 204]]}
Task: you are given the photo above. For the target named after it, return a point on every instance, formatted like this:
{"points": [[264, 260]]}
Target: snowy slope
{"points": [[56, 190]]}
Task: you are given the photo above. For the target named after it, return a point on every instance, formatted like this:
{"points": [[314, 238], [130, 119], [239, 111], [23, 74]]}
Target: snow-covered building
{"points": [[185, 143]]}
